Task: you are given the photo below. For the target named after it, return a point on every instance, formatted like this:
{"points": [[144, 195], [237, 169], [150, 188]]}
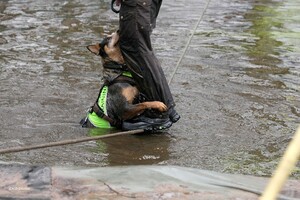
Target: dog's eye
{"points": [[102, 44], [102, 52], [105, 41]]}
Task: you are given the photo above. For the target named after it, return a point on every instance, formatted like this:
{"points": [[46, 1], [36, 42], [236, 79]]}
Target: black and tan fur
{"points": [[122, 96]]}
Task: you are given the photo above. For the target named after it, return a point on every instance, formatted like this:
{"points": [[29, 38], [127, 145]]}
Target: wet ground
{"points": [[237, 88], [128, 182]]}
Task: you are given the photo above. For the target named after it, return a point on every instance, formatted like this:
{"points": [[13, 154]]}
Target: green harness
{"points": [[94, 118]]}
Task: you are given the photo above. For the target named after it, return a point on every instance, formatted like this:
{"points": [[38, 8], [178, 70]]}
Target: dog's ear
{"points": [[94, 49]]}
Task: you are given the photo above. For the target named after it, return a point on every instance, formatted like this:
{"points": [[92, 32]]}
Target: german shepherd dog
{"points": [[119, 98]]}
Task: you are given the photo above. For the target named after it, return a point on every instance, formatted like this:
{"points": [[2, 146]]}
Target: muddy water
{"points": [[237, 88]]}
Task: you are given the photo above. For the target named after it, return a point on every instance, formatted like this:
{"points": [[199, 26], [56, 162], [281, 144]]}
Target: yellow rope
{"points": [[286, 165]]}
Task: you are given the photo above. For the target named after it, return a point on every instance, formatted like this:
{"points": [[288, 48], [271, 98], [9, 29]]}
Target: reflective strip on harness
{"points": [[102, 99], [127, 73], [94, 118]]}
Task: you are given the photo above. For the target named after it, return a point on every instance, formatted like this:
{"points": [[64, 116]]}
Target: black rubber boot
{"points": [[147, 124], [174, 116]]}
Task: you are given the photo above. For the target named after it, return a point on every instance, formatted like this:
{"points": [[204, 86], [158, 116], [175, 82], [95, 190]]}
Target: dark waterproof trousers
{"points": [[137, 19]]}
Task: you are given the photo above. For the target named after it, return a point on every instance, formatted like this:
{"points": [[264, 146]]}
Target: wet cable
{"points": [[188, 42], [66, 142]]}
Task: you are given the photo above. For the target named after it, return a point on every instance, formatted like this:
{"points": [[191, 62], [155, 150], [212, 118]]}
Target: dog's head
{"points": [[108, 49]]}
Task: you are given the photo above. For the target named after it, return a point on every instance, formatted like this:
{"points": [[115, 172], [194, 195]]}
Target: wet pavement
{"points": [[128, 182], [237, 88]]}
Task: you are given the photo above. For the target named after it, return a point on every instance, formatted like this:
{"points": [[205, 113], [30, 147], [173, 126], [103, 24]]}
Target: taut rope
{"points": [[188, 42], [71, 141]]}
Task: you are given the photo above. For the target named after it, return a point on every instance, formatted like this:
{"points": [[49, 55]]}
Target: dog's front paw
{"points": [[159, 106]]}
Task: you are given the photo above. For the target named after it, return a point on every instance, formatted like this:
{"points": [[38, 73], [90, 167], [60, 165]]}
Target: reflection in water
{"points": [[270, 107], [263, 18], [264, 53], [141, 149]]}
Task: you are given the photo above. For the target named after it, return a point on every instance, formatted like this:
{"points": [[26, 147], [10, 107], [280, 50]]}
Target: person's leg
{"points": [[155, 7], [136, 18]]}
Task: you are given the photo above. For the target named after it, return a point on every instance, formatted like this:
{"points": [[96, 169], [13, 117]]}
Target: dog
{"points": [[119, 99]]}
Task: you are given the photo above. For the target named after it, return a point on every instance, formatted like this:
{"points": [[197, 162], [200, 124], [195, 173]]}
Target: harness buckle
{"points": [[89, 110], [83, 122]]}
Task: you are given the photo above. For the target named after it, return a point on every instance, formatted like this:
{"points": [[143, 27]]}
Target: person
{"points": [[137, 19]]}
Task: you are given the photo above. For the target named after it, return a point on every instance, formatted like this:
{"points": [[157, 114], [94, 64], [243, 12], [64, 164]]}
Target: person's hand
{"points": [[118, 2]]}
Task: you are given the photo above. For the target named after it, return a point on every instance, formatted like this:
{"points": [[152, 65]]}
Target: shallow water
{"points": [[237, 88]]}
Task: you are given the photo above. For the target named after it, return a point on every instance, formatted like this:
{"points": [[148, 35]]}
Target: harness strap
{"points": [[124, 77], [101, 114], [111, 64]]}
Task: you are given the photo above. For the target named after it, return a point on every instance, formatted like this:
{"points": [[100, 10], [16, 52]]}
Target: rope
{"points": [[71, 141], [287, 164], [188, 42]]}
